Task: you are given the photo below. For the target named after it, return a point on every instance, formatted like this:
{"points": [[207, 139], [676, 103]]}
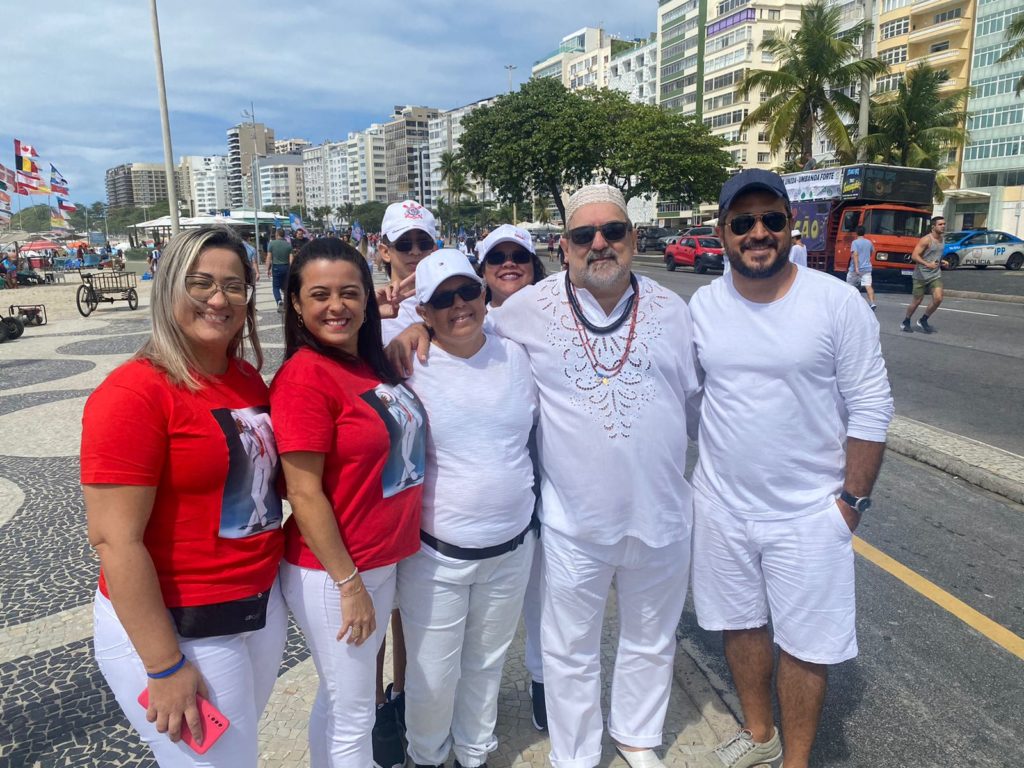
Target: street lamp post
{"points": [[165, 122], [253, 171], [510, 67]]}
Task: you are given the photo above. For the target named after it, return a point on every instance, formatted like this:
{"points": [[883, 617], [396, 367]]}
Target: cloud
{"points": [[315, 70]]}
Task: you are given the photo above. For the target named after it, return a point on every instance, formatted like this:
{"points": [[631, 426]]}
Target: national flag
{"points": [[64, 205], [25, 164], [57, 220], [357, 231], [24, 150], [58, 183], [6, 179], [5, 198]]}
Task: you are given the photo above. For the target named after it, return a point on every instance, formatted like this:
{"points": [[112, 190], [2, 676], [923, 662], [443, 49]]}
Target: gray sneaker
{"points": [[741, 751], [924, 325]]}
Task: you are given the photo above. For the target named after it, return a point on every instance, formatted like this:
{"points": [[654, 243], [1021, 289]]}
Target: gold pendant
{"points": [[604, 380]]}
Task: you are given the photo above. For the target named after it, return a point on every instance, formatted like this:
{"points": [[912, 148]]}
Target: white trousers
{"points": [[531, 616], [239, 670], [459, 618], [650, 586], [345, 705]]}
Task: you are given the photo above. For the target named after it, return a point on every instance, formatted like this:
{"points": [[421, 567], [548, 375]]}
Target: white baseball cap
{"points": [[438, 267], [399, 218], [796, 233], [507, 233]]}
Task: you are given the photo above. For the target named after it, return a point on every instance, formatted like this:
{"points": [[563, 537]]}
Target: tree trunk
{"points": [[556, 194]]}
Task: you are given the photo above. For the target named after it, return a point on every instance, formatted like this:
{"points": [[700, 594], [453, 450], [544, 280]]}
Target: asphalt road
{"points": [[968, 378], [927, 688]]}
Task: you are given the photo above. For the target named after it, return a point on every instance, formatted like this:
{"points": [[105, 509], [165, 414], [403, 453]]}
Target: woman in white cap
{"points": [[509, 263], [408, 233], [462, 593]]}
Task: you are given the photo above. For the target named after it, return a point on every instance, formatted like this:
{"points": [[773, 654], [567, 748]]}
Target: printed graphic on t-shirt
{"points": [[251, 504], [403, 415]]}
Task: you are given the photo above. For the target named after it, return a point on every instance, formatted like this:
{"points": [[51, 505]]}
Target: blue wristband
{"points": [[167, 672]]}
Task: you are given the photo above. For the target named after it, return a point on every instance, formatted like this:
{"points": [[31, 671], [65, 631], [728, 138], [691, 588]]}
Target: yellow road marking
{"points": [[995, 632]]}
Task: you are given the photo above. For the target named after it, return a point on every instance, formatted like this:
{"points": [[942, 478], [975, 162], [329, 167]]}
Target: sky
{"points": [[80, 80]]}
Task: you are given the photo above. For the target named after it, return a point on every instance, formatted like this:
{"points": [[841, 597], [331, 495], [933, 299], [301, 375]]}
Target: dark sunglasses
{"points": [[519, 256], [405, 245], [776, 221], [467, 292], [612, 232]]}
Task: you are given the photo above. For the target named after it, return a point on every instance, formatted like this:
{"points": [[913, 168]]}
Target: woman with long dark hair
{"points": [[351, 439]]}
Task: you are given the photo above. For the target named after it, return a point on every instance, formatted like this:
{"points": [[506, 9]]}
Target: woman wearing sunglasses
{"points": [[408, 233], [461, 594], [352, 447], [508, 263], [178, 461]]}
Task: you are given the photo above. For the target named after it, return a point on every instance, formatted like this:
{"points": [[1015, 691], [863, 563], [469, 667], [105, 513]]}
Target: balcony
{"points": [[931, 6], [937, 60], [947, 29]]}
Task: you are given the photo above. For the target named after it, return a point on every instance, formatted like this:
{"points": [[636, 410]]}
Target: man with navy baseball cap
{"points": [[792, 431]]}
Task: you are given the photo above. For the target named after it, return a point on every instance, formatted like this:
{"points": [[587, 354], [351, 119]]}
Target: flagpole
{"points": [[172, 187]]}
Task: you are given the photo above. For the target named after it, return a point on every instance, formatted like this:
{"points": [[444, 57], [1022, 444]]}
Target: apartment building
{"points": [[445, 132], [134, 185], [280, 181], [367, 166], [992, 182], [290, 146], [407, 154], [634, 71], [203, 184], [246, 141]]}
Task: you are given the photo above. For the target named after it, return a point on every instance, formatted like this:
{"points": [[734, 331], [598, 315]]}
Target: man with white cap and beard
{"points": [[612, 356]]}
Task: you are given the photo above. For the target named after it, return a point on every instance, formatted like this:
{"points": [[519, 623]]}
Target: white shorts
{"points": [[798, 570], [863, 279]]}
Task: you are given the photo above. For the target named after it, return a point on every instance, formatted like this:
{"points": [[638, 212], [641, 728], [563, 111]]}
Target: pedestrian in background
{"points": [[279, 256], [859, 273], [798, 252], [351, 439], [793, 423], [927, 258], [188, 602]]}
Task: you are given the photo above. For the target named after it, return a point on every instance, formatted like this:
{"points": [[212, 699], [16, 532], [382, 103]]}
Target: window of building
{"points": [[895, 27], [995, 86], [744, 16], [989, 55], [996, 117], [893, 55], [892, 5], [954, 13], [995, 22], [726, 41], [728, 118], [888, 82], [767, 57], [719, 101], [993, 148], [724, 81], [764, 157], [730, 5], [939, 47]]}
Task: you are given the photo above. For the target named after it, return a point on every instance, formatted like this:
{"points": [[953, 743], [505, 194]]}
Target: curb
{"points": [[985, 296], [989, 468]]}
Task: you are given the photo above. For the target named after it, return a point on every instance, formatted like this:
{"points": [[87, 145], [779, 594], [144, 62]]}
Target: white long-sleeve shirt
{"points": [[612, 449], [785, 383]]}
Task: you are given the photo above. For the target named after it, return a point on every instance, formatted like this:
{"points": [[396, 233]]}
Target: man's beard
{"points": [[760, 273], [600, 276]]}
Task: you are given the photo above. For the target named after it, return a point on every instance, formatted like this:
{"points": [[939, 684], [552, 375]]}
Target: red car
{"points": [[701, 253]]}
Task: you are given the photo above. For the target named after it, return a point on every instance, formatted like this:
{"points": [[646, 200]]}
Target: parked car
{"points": [[662, 243], [702, 230], [647, 237], [701, 253], [983, 248]]}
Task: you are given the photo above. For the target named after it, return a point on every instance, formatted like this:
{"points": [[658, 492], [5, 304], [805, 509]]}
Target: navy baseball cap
{"points": [[748, 181]]}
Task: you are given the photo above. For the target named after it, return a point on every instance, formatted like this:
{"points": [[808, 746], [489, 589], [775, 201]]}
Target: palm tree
{"points": [[451, 165], [918, 126], [1015, 35], [345, 212], [815, 65], [458, 188]]}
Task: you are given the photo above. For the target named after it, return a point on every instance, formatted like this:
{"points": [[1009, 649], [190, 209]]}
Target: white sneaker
{"points": [[644, 759], [741, 751]]}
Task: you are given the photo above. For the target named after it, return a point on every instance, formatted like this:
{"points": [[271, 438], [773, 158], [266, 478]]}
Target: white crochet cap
{"points": [[594, 193]]}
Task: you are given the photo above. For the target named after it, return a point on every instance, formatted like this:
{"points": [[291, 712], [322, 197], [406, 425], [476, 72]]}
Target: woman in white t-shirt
{"points": [[462, 593]]}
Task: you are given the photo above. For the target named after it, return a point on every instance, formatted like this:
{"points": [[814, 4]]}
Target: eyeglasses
{"points": [[467, 292], [519, 256], [612, 231], [775, 221], [202, 288], [406, 245]]}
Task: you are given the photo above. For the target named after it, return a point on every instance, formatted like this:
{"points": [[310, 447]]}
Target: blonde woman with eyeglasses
{"points": [[178, 463]]}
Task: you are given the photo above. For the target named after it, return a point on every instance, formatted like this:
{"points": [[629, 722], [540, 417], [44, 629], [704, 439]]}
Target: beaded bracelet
{"points": [[167, 672], [347, 579]]}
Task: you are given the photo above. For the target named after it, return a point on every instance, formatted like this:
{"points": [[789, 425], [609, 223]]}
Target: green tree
{"points": [[816, 65], [458, 188], [1015, 35], [451, 166], [917, 125], [344, 212], [530, 142], [35, 218], [370, 215], [320, 214], [646, 150]]}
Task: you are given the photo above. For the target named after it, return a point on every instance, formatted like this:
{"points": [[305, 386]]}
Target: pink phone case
{"points": [[214, 723]]}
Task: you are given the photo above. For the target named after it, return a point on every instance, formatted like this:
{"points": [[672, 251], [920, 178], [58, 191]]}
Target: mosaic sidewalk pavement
{"points": [[56, 709]]}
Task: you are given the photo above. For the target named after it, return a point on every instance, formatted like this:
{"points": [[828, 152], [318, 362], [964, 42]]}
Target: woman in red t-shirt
{"points": [[178, 470], [352, 443]]}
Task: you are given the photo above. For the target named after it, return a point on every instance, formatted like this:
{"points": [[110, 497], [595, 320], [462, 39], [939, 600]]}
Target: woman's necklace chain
{"points": [[601, 371]]}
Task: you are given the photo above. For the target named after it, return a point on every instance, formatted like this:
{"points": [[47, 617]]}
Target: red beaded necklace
{"points": [[601, 371]]}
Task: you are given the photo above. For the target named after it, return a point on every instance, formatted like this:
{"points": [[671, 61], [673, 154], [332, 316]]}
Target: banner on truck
{"points": [[813, 185]]}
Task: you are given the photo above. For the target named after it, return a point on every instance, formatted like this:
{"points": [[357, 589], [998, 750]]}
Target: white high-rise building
{"points": [[445, 132], [366, 166], [634, 71], [314, 175], [280, 182], [203, 183], [245, 141]]}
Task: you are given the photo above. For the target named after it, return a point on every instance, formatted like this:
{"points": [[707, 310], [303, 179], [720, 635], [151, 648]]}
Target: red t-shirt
{"points": [[373, 437], [215, 529]]}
